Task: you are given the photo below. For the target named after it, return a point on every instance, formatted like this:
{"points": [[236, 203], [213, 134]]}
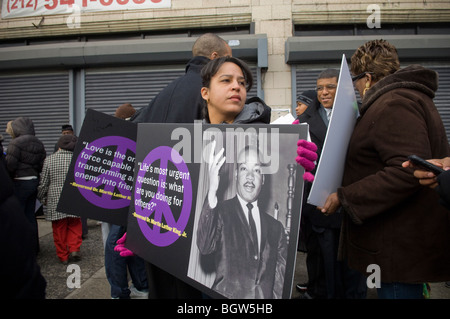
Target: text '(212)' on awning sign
{"points": [[28, 8]]}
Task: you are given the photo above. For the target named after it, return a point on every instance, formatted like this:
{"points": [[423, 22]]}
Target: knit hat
{"points": [[67, 127], [307, 97], [67, 142], [125, 111]]}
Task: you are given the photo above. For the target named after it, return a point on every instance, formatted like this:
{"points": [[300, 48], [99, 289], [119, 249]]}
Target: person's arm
{"points": [[208, 231], [44, 182], [390, 184], [215, 162], [443, 188], [427, 178], [440, 183], [12, 158]]}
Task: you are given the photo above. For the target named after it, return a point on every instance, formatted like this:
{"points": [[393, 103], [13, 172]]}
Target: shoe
{"points": [[75, 256], [447, 284], [302, 287], [64, 262], [138, 294]]}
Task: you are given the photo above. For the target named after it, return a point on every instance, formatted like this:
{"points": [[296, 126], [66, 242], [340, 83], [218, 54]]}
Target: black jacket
{"points": [[25, 154], [21, 273], [318, 132], [180, 101], [255, 112]]}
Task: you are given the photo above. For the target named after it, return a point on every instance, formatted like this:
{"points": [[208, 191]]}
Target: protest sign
{"points": [[100, 178], [330, 168], [167, 219]]}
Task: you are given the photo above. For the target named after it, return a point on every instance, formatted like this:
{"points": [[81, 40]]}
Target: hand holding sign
{"points": [[124, 252]]}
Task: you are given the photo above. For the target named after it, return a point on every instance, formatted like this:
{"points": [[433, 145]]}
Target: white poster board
{"points": [[343, 118]]}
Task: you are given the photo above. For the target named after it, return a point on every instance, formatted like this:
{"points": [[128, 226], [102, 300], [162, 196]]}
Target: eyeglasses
{"points": [[359, 76], [329, 87]]}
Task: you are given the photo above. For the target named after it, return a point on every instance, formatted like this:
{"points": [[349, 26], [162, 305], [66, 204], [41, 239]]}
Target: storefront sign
{"points": [[27, 8]]}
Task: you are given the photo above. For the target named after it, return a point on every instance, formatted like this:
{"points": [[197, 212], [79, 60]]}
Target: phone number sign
{"points": [[27, 8]]}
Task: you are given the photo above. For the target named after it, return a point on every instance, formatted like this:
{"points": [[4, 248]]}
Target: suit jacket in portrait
{"points": [[225, 232]]}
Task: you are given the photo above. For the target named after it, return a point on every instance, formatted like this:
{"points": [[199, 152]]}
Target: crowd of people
{"points": [[387, 212]]}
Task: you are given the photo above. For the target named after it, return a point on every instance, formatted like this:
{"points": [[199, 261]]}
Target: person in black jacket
{"points": [[22, 275], [249, 261], [180, 102], [25, 157]]}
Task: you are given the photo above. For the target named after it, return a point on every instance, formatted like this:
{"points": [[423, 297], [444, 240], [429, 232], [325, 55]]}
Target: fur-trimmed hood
{"points": [[414, 77]]}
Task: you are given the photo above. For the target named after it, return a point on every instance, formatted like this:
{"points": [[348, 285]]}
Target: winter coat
{"points": [[51, 183], [26, 153], [180, 101], [22, 274], [255, 112], [391, 220]]}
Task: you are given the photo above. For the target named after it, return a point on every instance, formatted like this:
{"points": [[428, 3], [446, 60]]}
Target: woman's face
{"points": [[226, 94]]}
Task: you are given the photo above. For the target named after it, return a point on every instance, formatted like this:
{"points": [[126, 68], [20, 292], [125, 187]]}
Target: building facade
{"points": [[78, 54]]}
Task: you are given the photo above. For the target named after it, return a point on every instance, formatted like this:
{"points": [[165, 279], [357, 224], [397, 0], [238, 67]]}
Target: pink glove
{"points": [[124, 252], [306, 156]]}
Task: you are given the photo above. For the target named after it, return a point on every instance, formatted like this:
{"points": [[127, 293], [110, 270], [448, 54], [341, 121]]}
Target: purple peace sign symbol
{"points": [[158, 205], [109, 170]]}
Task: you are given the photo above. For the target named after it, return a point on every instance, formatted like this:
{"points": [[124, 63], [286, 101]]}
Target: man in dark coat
{"points": [[24, 160], [180, 102], [326, 274], [22, 275]]}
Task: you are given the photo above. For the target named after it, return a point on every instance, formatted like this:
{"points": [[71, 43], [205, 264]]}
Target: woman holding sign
{"points": [[249, 245], [226, 81], [390, 222]]}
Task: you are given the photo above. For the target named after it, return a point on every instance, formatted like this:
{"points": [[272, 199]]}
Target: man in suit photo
{"points": [[248, 245]]}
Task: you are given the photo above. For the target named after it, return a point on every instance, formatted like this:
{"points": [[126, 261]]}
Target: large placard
{"points": [[168, 221], [100, 178]]}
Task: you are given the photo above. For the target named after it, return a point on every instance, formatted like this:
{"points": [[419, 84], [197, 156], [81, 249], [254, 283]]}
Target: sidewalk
{"points": [[94, 284]]}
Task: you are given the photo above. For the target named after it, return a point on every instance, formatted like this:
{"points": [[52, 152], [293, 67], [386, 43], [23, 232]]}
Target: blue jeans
{"points": [[398, 290], [116, 267]]}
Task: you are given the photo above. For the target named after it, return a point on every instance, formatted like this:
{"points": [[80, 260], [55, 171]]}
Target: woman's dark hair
{"points": [[213, 66]]}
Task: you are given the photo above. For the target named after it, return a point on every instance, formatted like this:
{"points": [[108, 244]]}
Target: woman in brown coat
{"points": [[391, 221]]}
